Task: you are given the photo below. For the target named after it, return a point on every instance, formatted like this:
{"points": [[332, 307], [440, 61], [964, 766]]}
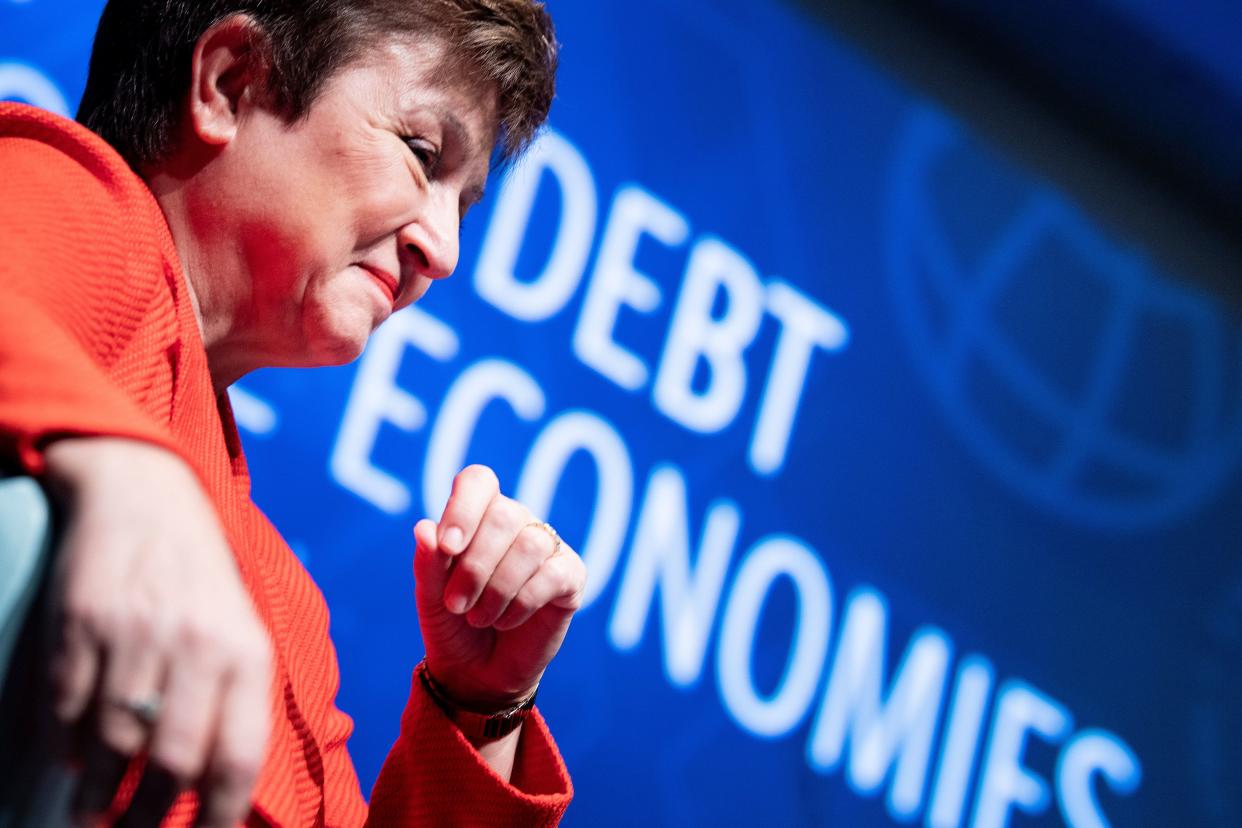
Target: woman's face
{"points": [[348, 214]]}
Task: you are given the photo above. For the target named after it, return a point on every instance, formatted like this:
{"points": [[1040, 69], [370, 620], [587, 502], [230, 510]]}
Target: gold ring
{"points": [[547, 527]]}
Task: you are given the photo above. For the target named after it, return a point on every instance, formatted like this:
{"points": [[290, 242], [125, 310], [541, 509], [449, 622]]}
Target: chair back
{"points": [[25, 540], [34, 788]]}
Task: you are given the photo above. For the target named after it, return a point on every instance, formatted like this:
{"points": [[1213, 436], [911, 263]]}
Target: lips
{"points": [[386, 281]]}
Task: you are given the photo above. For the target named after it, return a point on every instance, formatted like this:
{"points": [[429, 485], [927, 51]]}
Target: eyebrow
{"points": [[461, 132]]}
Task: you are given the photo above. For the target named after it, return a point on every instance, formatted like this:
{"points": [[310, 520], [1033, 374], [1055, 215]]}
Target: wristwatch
{"points": [[475, 726]]}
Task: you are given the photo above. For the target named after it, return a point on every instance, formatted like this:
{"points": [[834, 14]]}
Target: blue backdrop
{"points": [[909, 490]]}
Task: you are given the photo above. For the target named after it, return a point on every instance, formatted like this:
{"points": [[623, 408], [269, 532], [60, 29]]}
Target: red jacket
{"points": [[98, 337]]}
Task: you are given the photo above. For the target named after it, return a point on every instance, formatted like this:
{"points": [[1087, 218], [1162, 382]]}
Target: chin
{"points": [[338, 353], [336, 344]]}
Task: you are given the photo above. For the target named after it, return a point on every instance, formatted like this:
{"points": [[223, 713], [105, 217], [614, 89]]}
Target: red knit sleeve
{"points": [[433, 776], [77, 281]]}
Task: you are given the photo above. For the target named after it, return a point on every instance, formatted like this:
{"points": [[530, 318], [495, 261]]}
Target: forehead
{"points": [[410, 74]]}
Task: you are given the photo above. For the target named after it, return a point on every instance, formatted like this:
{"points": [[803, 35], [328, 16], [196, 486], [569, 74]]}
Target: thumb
{"points": [[431, 566]]}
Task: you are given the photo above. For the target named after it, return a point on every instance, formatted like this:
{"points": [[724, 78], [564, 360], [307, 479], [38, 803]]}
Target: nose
{"points": [[429, 243]]}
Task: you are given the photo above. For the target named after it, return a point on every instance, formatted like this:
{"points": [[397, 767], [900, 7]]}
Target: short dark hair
{"points": [[140, 65]]}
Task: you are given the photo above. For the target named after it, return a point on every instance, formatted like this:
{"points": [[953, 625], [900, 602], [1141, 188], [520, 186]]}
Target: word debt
{"points": [[925, 736], [706, 336]]}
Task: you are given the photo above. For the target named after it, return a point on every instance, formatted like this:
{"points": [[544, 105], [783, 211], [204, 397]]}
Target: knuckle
{"points": [[510, 512], [193, 635], [142, 626], [518, 510], [491, 599], [241, 649], [532, 542], [93, 618], [502, 586], [234, 653], [477, 475], [200, 643], [521, 605], [473, 571]]}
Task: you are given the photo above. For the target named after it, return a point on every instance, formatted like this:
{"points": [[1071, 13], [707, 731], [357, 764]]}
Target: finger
{"points": [[154, 796], [431, 566], [473, 490], [75, 670], [472, 569], [133, 675], [237, 756], [529, 550], [183, 735], [558, 583], [103, 769]]}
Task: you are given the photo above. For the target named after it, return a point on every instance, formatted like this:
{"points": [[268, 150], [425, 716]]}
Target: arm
{"points": [[434, 776], [487, 651], [71, 305], [150, 606], [149, 603], [496, 591]]}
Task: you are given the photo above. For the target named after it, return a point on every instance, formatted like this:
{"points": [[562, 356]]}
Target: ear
{"points": [[227, 75]]}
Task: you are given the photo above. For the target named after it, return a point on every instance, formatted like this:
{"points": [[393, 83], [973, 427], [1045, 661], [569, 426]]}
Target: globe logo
{"points": [[1098, 389]]}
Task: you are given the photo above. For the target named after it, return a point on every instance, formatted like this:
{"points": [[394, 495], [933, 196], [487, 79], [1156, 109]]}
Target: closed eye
{"points": [[426, 154]]}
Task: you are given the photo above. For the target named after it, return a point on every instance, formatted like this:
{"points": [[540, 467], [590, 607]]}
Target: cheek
{"points": [[283, 220], [382, 206], [279, 254], [301, 238], [378, 184]]}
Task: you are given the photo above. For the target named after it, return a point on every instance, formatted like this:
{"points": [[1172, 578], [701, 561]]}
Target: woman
{"points": [[265, 184]]}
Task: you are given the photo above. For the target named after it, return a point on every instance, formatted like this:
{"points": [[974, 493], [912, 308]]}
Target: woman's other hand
{"points": [[496, 591], [159, 649]]}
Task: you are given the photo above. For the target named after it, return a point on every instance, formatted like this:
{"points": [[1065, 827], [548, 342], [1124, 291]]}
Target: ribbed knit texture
{"points": [[98, 337]]}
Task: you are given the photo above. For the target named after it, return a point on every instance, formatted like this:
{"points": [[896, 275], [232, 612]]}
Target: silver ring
{"points": [[547, 527], [145, 710]]}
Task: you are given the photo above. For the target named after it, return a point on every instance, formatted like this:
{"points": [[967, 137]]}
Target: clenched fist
{"points": [[496, 591]]}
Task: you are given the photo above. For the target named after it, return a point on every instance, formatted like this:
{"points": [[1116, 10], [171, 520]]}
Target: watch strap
{"points": [[474, 725]]}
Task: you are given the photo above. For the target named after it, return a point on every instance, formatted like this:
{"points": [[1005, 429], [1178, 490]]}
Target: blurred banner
{"points": [[909, 489]]}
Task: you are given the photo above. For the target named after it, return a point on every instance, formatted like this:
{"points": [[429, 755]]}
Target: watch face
{"points": [[502, 724]]}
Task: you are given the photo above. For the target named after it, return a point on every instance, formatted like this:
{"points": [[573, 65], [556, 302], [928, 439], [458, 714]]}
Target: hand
{"points": [[152, 608], [494, 601]]}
